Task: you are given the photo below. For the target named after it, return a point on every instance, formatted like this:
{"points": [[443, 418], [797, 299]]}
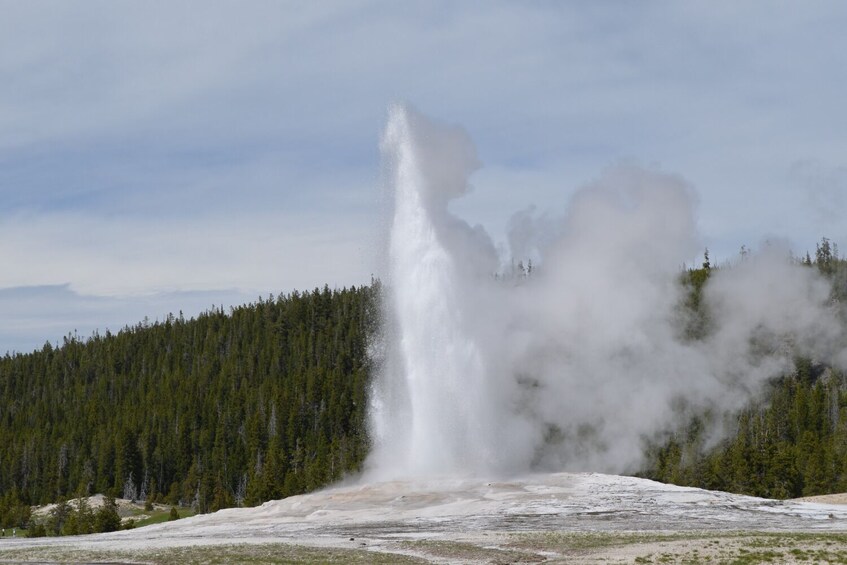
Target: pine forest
{"points": [[231, 408]]}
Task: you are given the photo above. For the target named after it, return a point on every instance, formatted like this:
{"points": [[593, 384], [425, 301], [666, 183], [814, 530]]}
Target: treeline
{"points": [[792, 442], [231, 408]]}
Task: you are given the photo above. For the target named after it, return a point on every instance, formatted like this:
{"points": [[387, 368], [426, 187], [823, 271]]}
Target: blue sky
{"points": [[166, 156]]}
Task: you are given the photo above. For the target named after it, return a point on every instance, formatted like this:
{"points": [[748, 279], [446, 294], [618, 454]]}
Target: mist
{"points": [[488, 369]]}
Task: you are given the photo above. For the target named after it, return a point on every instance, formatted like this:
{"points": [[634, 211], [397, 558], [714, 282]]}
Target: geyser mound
{"points": [[570, 368]]}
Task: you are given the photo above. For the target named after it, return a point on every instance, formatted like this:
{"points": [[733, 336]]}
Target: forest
{"points": [[789, 442], [231, 408], [268, 400]]}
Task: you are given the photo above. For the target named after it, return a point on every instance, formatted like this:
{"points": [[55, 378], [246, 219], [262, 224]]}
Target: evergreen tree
{"points": [[107, 519]]}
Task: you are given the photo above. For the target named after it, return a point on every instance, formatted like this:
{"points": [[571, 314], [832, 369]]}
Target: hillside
{"points": [[231, 408], [789, 441]]}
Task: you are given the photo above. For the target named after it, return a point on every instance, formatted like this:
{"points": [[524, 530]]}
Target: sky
{"points": [[172, 156]]}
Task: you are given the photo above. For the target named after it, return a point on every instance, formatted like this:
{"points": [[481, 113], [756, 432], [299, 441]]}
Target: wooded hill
{"points": [[791, 442], [262, 402], [268, 400]]}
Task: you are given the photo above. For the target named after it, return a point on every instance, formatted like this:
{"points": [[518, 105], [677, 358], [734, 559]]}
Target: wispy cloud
{"points": [[35, 315], [178, 146], [126, 255]]}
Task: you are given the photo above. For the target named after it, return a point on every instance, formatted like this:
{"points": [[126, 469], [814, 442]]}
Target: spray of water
{"points": [[572, 367]]}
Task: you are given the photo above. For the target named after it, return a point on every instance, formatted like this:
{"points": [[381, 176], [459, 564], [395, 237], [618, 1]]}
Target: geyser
{"points": [[570, 368], [432, 415]]}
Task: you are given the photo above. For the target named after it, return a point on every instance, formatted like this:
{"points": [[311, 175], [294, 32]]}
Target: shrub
{"points": [[107, 519]]}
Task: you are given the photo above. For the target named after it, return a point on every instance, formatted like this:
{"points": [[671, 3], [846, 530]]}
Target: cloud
{"points": [[168, 111], [130, 255], [825, 189]]}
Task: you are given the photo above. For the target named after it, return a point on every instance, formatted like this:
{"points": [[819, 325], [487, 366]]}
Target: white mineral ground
{"points": [[378, 516]]}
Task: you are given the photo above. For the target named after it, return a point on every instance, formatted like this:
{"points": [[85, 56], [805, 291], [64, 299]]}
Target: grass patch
{"points": [[583, 541], [158, 516], [455, 550], [256, 554], [19, 532], [730, 548]]}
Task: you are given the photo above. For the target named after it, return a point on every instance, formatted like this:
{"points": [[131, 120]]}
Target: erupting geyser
{"points": [[432, 417], [572, 368]]}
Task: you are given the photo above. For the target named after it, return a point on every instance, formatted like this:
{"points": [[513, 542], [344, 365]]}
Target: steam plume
{"points": [[571, 368]]}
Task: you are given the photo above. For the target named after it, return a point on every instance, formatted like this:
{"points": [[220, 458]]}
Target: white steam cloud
{"points": [[572, 367]]}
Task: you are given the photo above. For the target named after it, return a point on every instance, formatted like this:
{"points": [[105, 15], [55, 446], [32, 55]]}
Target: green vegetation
{"points": [[791, 442], [455, 551], [78, 517], [262, 402], [14, 512], [158, 515], [260, 554], [579, 543], [733, 547]]}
